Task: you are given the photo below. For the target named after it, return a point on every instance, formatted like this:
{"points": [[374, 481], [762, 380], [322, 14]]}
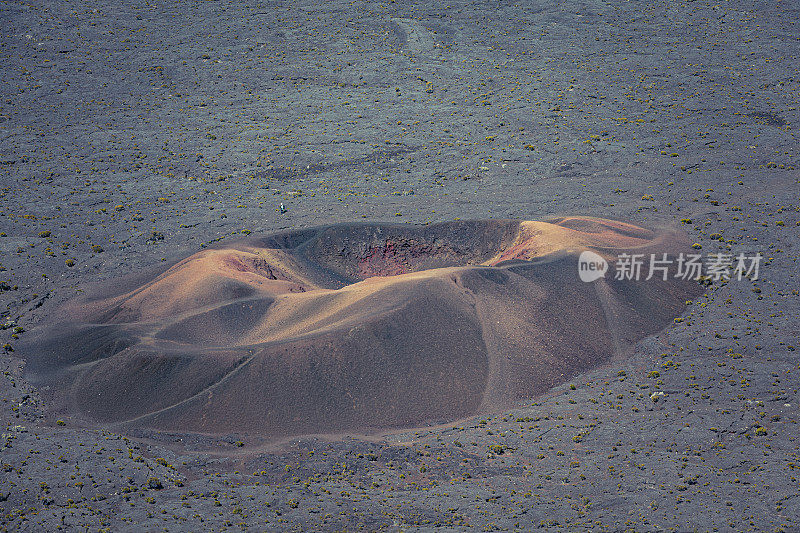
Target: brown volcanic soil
{"points": [[354, 327]]}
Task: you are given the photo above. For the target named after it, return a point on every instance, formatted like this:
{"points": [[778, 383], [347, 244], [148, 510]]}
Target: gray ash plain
{"points": [[132, 133]]}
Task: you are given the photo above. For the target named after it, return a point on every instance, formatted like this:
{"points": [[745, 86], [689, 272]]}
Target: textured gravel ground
{"points": [[136, 132]]}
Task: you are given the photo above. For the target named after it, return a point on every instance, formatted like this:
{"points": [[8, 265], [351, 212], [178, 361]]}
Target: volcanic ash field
{"points": [[201, 331]]}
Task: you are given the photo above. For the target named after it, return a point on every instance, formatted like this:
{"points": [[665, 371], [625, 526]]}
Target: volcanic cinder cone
{"points": [[352, 328]]}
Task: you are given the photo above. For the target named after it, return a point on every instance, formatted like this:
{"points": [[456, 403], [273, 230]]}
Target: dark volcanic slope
{"points": [[354, 327]]}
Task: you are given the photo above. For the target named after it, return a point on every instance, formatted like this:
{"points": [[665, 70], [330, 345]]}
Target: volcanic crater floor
{"points": [[133, 132]]}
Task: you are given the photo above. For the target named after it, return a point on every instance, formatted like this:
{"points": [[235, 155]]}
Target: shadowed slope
{"points": [[355, 327]]}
